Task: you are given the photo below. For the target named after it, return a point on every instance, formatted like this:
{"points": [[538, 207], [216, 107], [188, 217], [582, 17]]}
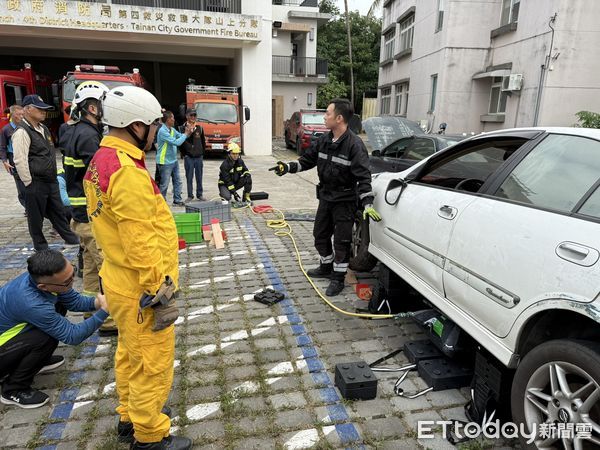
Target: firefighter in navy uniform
{"points": [[344, 180], [234, 175], [80, 142]]}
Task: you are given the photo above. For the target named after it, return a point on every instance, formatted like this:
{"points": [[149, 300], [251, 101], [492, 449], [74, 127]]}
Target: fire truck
{"points": [[110, 76], [220, 112], [16, 84]]}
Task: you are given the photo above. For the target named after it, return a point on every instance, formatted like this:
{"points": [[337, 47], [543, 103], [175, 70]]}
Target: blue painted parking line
{"points": [[347, 432], [66, 398]]}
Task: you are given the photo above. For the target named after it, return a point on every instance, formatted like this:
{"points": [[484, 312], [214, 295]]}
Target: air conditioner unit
{"points": [[512, 82]]}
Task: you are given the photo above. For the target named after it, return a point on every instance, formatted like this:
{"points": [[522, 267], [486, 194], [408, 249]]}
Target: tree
{"points": [[374, 7], [365, 38], [333, 89], [349, 35], [588, 119]]}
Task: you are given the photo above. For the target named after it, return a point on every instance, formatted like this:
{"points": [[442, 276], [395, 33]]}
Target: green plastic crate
{"points": [[189, 227]]}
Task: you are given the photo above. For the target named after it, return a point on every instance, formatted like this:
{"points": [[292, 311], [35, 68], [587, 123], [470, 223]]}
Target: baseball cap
{"points": [[35, 100], [190, 111]]}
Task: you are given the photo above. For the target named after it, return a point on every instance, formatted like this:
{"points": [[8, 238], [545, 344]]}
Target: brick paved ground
{"points": [[246, 375]]}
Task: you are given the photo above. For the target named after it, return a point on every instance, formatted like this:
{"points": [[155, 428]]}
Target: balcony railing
{"points": [[313, 3], [299, 67], [223, 6]]}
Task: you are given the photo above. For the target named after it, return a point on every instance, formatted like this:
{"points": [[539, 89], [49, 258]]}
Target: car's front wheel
{"points": [[556, 392], [362, 260]]}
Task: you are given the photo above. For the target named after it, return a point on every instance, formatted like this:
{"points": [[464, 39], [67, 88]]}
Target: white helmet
{"points": [[89, 89], [125, 105]]}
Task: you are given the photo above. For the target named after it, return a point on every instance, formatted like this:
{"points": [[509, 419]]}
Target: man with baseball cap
{"points": [[35, 163]]}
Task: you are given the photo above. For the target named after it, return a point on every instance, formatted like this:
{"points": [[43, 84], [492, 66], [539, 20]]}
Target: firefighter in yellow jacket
{"points": [[135, 229]]}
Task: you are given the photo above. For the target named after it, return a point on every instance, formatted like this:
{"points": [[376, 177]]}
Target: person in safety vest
{"points": [[134, 228], [234, 175], [79, 145], [167, 143], [32, 322], [344, 179]]}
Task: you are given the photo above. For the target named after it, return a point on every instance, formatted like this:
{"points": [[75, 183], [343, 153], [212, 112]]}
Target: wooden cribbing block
{"points": [[207, 233], [217, 234]]}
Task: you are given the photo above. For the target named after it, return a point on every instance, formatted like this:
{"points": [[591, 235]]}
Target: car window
{"points": [[556, 174], [591, 207], [476, 164], [419, 149], [396, 149]]}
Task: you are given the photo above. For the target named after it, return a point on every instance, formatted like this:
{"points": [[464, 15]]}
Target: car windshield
{"points": [[216, 112], [71, 84], [313, 118], [445, 142]]}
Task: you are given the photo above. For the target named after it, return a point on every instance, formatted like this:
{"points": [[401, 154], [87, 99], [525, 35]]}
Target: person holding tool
{"points": [[135, 229], [234, 175], [344, 180]]}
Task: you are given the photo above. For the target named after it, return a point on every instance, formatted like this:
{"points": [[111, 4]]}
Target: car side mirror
{"points": [[393, 184], [246, 114], [376, 153]]}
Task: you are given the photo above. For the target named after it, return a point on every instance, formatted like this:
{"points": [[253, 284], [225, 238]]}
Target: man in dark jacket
{"points": [[234, 175], [192, 151], [35, 162], [344, 180], [80, 144]]}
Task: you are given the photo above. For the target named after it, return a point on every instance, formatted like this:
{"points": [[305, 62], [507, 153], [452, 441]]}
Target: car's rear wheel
{"points": [[557, 386], [299, 149], [288, 143], [362, 260]]}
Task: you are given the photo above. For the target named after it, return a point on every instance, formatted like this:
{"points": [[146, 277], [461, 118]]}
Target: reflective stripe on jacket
{"points": [[167, 142], [130, 220]]}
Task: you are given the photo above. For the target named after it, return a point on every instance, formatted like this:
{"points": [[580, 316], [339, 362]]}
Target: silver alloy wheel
{"points": [[562, 393]]}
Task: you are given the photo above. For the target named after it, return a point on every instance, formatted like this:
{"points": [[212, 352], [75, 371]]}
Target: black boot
{"points": [[323, 271], [336, 285], [125, 429], [168, 443]]}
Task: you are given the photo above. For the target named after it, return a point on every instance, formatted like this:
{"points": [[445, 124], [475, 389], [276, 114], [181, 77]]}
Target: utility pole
{"points": [[350, 52]]}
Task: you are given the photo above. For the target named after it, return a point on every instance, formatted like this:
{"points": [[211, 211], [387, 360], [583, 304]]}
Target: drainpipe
{"points": [[544, 69]]}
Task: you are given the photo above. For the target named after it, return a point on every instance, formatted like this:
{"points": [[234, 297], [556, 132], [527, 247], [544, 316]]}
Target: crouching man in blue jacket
{"points": [[32, 309]]}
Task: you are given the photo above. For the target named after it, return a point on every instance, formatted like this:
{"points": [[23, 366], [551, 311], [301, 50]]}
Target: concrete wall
{"points": [[295, 95], [254, 68]]}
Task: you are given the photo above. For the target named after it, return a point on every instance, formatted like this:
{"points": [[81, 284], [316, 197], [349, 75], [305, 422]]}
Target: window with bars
{"points": [[440, 16], [434, 80], [497, 97], [407, 27], [388, 45], [401, 100], [510, 11], [386, 100]]}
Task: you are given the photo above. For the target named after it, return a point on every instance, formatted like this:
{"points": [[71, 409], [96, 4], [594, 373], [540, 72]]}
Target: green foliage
{"points": [[588, 119], [332, 44], [333, 89]]}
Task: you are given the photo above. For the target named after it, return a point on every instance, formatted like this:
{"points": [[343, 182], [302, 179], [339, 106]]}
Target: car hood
{"points": [[382, 131]]}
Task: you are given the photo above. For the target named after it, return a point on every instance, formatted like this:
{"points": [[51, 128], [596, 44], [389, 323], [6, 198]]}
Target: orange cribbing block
{"points": [[364, 291]]}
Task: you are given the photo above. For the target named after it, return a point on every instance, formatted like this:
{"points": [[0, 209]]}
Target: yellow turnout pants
{"points": [[143, 368]]}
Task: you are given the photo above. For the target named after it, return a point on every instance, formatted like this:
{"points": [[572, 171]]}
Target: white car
{"points": [[501, 233]]}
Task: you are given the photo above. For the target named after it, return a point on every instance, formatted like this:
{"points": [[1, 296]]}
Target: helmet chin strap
{"points": [[141, 143]]}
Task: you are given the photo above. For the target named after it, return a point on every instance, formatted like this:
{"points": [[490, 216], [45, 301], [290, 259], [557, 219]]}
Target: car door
{"points": [[418, 218], [535, 237]]}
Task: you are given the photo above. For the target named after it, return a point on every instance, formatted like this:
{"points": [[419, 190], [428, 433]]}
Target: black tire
{"points": [[288, 143], [581, 362], [299, 148], [362, 260]]}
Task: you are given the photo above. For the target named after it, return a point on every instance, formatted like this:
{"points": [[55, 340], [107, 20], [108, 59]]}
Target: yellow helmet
{"points": [[234, 148]]}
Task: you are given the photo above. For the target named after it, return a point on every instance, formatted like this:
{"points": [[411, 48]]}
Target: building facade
{"points": [[297, 71], [489, 64], [213, 42]]}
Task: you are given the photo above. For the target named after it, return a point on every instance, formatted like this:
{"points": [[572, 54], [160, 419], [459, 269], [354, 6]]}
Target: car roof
{"points": [[575, 131]]}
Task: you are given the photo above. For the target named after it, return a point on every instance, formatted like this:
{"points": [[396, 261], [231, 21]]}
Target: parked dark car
{"points": [[407, 151]]}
